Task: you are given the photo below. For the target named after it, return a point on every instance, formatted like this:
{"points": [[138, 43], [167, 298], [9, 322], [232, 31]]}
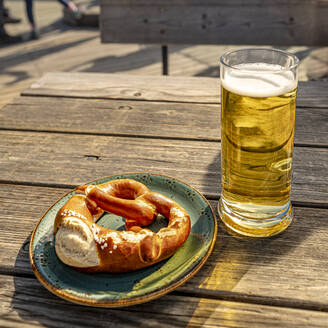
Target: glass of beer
{"points": [[258, 105]]}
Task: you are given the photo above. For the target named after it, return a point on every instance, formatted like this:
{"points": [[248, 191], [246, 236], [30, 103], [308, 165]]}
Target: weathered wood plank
{"points": [[140, 118], [153, 88], [120, 86], [25, 303], [64, 159], [288, 270], [215, 22], [114, 117]]}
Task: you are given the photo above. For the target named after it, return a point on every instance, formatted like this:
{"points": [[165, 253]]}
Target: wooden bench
{"points": [[251, 22]]}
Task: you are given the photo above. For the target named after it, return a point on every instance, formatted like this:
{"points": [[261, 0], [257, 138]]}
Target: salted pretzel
{"points": [[83, 244]]}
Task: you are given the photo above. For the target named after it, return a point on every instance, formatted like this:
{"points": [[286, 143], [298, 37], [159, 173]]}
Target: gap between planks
{"points": [[28, 93], [235, 297], [253, 299], [167, 311], [140, 136]]}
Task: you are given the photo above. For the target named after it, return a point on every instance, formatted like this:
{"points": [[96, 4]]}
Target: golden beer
{"points": [[257, 136]]}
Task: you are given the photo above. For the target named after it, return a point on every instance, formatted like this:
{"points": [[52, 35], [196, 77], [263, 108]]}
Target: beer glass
{"points": [[258, 104]]}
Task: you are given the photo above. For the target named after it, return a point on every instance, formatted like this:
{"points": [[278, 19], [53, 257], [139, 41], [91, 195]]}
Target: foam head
{"points": [[258, 80]]}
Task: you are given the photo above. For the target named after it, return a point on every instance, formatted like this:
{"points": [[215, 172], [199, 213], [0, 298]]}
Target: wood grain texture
{"points": [[203, 90], [289, 269], [141, 118], [215, 22], [25, 303], [65, 159]]}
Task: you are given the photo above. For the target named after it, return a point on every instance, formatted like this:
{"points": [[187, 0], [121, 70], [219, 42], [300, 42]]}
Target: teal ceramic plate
{"points": [[112, 290]]}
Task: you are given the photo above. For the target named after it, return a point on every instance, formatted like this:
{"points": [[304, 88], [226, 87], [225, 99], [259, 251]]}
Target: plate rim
{"points": [[132, 301]]}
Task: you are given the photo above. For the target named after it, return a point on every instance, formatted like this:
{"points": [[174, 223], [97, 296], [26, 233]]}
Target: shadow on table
{"points": [[34, 303], [147, 55], [9, 62]]}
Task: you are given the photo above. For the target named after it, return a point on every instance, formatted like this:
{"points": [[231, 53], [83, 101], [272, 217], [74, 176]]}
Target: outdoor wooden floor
{"points": [[78, 49]]}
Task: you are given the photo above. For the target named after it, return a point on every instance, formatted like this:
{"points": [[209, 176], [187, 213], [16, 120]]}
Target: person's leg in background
{"points": [[30, 16]]}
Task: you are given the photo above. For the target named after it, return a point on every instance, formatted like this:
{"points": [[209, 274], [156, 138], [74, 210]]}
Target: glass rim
{"points": [[286, 53]]}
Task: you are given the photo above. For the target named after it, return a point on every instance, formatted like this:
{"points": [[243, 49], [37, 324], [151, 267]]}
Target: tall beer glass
{"points": [[258, 104]]}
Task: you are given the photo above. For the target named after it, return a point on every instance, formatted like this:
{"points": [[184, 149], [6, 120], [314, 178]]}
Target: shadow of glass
{"points": [[237, 259]]}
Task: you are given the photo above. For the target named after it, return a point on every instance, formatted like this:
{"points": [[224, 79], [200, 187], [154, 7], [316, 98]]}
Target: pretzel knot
{"points": [[88, 247]]}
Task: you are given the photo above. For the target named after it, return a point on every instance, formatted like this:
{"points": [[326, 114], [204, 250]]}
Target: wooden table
{"points": [[70, 128]]}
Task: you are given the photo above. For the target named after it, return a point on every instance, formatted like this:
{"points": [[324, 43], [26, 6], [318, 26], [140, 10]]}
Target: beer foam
{"points": [[258, 80]]}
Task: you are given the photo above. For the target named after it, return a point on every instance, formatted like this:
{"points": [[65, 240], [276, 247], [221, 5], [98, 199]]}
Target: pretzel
{"points": [[88, 247], [121, 198]]}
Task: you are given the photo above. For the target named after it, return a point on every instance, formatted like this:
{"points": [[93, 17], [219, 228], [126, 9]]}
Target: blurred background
{"points": [[72, 44]]}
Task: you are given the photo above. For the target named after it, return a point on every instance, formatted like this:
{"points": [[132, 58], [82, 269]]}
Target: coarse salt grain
{"points": [[114, 236], [68, 212]]}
